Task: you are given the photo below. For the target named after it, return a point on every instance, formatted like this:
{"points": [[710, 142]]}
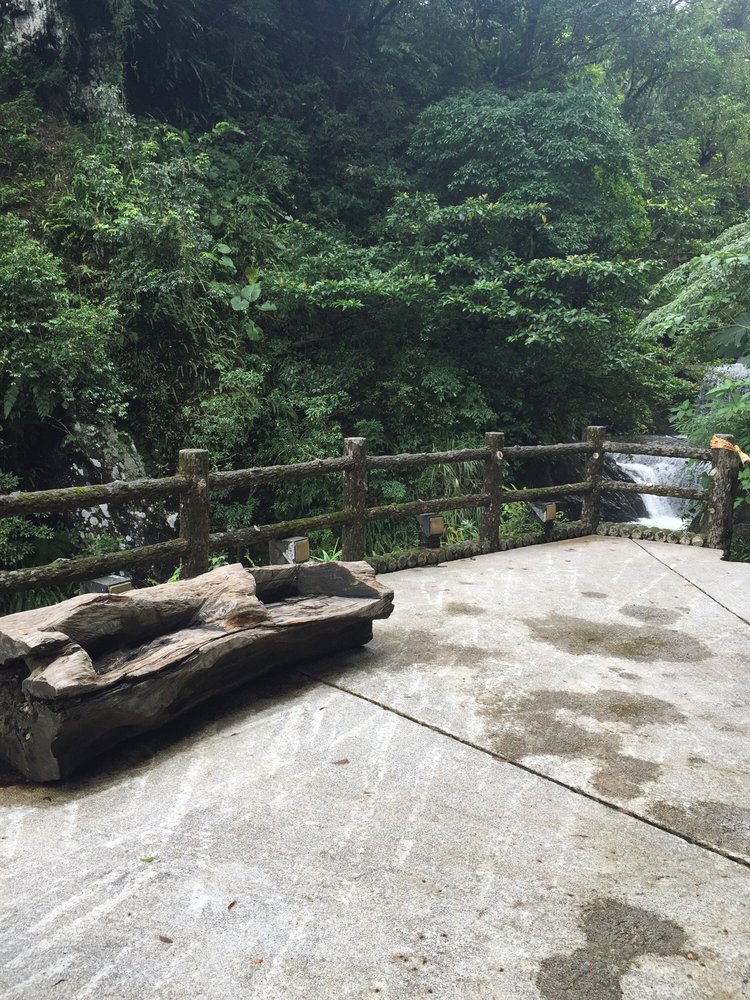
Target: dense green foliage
{"points": [[262, 225]]}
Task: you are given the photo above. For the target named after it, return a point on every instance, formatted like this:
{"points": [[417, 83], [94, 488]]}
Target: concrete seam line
{"points": [[537, 774], [687, 580]]}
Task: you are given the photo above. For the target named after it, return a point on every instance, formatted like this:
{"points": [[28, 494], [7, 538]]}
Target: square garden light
{"points": [[289, 550], [431, 530], [115, 584]]}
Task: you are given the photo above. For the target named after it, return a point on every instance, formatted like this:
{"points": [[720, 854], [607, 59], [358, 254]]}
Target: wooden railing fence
{"points": [[194, 483]]}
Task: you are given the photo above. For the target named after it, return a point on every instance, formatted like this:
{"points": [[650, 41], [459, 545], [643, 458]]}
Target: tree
{"points": [[569, 151], [701, 307]]}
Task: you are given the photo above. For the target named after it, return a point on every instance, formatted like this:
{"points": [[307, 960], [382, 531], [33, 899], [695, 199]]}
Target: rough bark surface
{"points": [[489, 521], [724, 483], [85, 674], [355, 499]]}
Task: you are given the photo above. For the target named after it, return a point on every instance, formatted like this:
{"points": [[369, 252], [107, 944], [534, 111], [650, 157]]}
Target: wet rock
{"points": [[93, 455], [571, 469]]}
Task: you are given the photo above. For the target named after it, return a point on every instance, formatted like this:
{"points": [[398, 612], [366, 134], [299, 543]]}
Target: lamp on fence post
{"points": [[431, 530]]}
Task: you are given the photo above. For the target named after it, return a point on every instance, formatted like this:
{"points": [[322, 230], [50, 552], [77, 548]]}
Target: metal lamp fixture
{"points": [[289, 550], [547, 517], [550, 512], [431, 530], [115, 584]]}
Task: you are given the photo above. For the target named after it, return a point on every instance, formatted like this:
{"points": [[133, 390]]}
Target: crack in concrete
{"points": [[688, 581], [646, 820]]}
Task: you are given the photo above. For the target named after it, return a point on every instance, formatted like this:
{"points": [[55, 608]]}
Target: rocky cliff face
{"points": [[82, 38], [27, 20]]}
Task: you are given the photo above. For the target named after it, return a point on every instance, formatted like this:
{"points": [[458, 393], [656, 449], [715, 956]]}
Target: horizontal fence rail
{"points": [[659, 450], [83, 497], [545, 450], [544, 492], [414, 507], [195, 482], [264, 532], [244, 478], [428, 458], [74, 570], [680, 492]]}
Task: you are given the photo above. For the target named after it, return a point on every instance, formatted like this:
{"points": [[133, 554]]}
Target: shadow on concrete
{"points": [[217, 715]]}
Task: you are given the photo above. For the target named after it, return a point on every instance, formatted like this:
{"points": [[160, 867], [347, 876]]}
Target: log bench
{"points": [[95, 670]]}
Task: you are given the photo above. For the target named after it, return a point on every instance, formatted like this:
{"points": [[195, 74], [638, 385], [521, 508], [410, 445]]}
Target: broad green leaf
{"points": [[10, 398], [239, 304]]}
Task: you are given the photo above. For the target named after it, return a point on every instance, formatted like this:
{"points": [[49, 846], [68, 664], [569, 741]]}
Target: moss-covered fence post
{"points": [[195, 511], [489, 520], [591, 510], [355, 500], [725, 465]]}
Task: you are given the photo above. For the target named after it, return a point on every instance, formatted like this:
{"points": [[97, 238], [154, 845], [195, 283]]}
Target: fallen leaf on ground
{"points": [[344, 760], [165, 939], [147, 860], [256, 961], [232, 904]]}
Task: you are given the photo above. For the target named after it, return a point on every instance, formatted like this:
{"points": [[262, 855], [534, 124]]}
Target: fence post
{"points": [[195, 513], [355, 499], [591, 508], [489, 518], [723, 489]]}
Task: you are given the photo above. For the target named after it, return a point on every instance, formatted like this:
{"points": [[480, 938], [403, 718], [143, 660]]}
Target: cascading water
{"points": [[669, 512], [662, 512]]}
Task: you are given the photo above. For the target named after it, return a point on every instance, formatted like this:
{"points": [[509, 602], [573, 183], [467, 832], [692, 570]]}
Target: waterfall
{"points": [[662, 512], [669, 512]]}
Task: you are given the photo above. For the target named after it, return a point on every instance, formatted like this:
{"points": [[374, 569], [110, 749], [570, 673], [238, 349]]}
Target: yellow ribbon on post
{"points": [[717, 442]]}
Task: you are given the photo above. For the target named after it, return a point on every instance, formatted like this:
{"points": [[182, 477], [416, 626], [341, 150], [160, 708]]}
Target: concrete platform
{"points": [[532, 784]]}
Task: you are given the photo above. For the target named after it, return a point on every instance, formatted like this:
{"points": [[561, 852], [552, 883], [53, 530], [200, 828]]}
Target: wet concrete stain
{"points": [[623, 776], [650, 615], [695, 761], [616, 935], [540, 724], [716, 823], [421, 647], [579, 636], [627, 675], [463, 608]]}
